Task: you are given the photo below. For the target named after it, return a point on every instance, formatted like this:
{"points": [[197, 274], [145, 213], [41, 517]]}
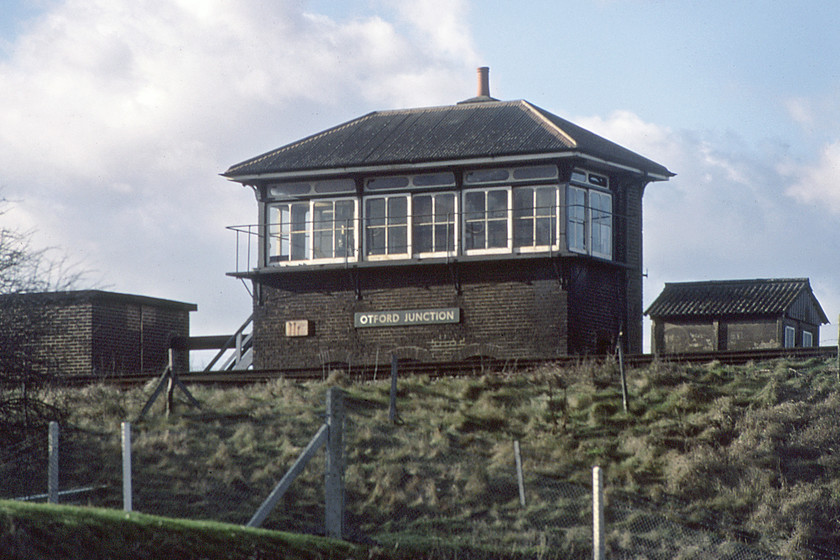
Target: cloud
{"points": [[731, 211], [118, 117], [817, 184]]}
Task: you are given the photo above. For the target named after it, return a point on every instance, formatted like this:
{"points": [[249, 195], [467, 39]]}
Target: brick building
{"points": [[93, 332], [735, 315], [485, 228]]}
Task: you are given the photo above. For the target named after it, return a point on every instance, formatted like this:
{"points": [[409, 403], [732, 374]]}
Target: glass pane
{"points": [[423, 239], [444, 237], [474, 235], [497, 204], [397, 240], [544, 231], [299, 231], [375, 240], [523, 232], [398, 210], [523, 202], [497, 233], [445, 207], [422, 209], [375, 211], [539, 172], [546, 199], [474, 205]]}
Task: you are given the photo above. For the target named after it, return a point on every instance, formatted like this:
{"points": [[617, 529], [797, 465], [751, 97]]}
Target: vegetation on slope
{"points": [[747, 453]]}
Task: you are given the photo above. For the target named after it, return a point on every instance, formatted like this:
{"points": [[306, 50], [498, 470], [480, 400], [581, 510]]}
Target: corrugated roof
{"points": [[731, 297], [450, 133]]}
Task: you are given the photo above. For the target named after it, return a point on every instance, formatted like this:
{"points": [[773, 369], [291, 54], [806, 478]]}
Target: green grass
{"points": [[748, 450], [34, 532]]}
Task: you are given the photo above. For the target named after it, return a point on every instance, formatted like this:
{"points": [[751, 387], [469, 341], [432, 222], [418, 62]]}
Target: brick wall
{"points": [[99, 333], [509, 309]]}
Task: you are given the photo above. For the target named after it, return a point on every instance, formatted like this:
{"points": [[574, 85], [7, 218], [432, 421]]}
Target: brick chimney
{"points": [[483, 82], [483, 93]]}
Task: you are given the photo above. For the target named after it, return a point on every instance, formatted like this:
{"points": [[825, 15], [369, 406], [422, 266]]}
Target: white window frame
{"points": [[807, 339], [451, 222], [538, 213], [278, 227], [589, 216], [465, 224], [790, 337], [388, 227]]}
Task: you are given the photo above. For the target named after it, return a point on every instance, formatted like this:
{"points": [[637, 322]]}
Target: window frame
{"points": [[455, 223], [810, 339], [788, 330], [465, 224], [275, 228], [387, 227], [592, 185], [534, 216]]}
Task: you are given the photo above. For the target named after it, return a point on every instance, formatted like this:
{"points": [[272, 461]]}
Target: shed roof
{"points": [[98, 296], [468, 130], [732, 297]]}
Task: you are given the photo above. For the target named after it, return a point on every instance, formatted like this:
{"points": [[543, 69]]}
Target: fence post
{"points": [[52, 467], [598, 533], [621, 371], [334, 471], [126, 465], [392, 413], [519, 478]]}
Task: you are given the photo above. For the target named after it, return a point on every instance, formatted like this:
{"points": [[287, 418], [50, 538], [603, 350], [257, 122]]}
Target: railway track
{"points": [[462, 368]]}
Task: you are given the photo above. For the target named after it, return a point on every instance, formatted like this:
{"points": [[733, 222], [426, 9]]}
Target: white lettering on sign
{"points": [[297, 328], [407, 317]]}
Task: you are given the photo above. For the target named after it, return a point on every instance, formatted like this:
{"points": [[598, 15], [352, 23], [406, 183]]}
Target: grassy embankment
{"points": [[749, 452]]}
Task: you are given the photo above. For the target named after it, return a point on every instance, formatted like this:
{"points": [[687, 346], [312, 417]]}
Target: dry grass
{"points": [[752, 448]]}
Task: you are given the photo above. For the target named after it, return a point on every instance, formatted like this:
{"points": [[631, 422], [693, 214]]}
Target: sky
{"points": [[118, 116]]}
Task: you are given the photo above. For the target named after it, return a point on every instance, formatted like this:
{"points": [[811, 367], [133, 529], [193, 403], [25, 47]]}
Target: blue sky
{"points": [[117, 116]]}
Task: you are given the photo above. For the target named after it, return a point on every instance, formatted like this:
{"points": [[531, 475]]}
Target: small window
{"points": [[335, 186], [386, 225], [535, 172], [807, 339], [790, 337], [480, 176], [434, 222], [534, 217], [589, 215], [434, 180], [386, 183], [486, 220], [282, 190]]}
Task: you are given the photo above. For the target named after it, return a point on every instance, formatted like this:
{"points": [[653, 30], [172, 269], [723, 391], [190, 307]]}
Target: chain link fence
{"points": [[442, 486]]}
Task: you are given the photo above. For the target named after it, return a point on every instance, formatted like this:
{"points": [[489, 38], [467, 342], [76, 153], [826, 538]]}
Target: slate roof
{"points": [[490, 129], [731, 297]]}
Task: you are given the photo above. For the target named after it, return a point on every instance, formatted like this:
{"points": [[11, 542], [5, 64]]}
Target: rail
{"points": [[474, 367]]}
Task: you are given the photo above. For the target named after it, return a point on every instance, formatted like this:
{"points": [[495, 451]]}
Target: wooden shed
{"points": [[735, 315]]}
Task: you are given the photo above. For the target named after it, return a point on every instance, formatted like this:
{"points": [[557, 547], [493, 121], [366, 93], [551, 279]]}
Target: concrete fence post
{"points": [[126, 465], [392, 411], [598, 532], [52, 466], [520, 479], [334, 472]]}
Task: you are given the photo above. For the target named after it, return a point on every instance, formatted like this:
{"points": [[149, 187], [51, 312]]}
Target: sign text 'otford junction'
{"points": [[405, 317]]}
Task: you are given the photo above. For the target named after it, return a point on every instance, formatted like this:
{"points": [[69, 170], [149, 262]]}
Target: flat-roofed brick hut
{"points": [[486, 228], [94, 332]]}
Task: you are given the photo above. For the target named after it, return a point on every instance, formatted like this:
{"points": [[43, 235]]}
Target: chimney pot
{"points": [[484, 81]]}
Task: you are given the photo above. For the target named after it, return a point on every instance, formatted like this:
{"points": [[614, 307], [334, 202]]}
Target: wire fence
{"points": [[447, 488]]}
